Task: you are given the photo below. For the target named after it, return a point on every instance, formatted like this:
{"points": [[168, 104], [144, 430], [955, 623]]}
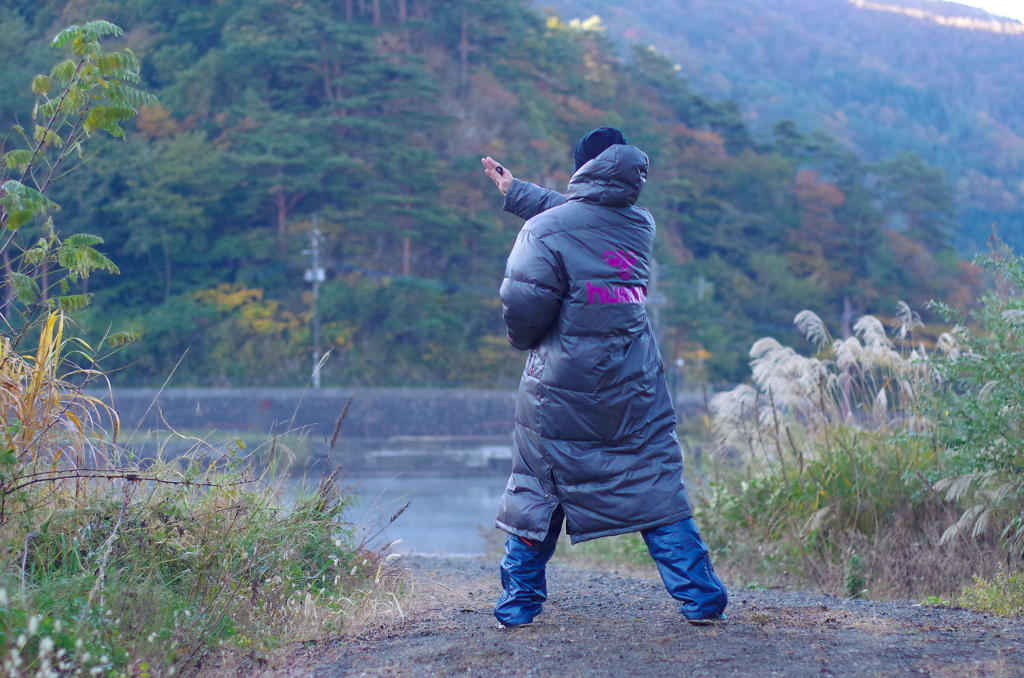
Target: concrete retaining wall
{"points": [[375, 413]]}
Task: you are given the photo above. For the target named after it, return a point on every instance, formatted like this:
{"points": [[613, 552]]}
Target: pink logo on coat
{"points": [[622, 260], [615, 295]]}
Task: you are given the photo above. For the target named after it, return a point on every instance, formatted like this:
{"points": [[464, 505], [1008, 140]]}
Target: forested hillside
{"points": [[368, 118], [924, 76]]}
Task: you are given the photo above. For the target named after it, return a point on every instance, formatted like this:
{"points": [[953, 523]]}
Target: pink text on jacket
{"points": [[615, 295]]}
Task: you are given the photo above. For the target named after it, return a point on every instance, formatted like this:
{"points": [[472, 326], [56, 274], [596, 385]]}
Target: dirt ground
{"points": [[600, 623]]}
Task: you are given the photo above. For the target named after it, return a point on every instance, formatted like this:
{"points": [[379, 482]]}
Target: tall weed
{"points": [[121, 565], [828, 466]]}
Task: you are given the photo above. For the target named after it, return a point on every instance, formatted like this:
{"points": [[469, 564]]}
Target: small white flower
{"points": [[33, 625]]}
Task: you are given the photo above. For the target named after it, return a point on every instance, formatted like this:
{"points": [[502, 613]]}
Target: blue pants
{"points": [[680, 553]]}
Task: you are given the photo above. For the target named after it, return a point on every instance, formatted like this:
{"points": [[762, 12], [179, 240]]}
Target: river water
{"points": [[447, 515]]}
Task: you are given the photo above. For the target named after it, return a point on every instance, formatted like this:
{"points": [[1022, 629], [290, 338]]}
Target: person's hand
{"points": [[501, 177]]}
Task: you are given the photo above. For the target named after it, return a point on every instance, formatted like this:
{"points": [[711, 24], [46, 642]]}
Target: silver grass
{"points": [[764, 345], [734, 404], [908, 320], [769, 415], [731, 410], [881, 406], [906, 388], [812, 327], [978, 517], [1013, 314], [962, 525], [848, 353], [986, 390], [871, 331], [981, 522], [948, 345], [1005, 491], [957, 487], [794, 397]]}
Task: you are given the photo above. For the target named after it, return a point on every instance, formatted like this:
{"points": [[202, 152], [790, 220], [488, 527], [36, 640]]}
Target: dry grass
{"points": [[46, 418], [114, 564]]}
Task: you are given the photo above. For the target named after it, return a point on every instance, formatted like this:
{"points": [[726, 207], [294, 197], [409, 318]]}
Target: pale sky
{"points": [[1011, 8]]}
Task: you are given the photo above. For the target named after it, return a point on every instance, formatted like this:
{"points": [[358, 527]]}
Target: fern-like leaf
{"points": [[82, 240], [131, 97], [64, 70], [83, 260], [18, 218], [99, 27], [122, 338], [90, 32], [41, 84], [119, 65], [66, 36], [25, 288], [73, 302], [36, 255], [22, 203], [18, 159]]}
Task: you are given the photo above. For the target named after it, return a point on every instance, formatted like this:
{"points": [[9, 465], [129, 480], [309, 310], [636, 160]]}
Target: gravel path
{"points": [[603, 624]]}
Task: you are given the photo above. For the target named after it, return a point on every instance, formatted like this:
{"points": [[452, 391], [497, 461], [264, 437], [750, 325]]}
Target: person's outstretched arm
{"points": [[523, 199]]}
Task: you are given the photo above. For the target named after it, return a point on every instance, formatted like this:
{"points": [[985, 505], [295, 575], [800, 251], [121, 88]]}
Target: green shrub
{"points": [[1003, 595], [979, 412], [160, 570]]}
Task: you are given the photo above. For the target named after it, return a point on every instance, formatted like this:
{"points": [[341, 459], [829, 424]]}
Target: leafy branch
{"points": [[90, 92]]}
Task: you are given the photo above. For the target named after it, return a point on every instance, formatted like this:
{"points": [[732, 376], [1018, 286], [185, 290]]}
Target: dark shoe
{"points": [[716, 620]]}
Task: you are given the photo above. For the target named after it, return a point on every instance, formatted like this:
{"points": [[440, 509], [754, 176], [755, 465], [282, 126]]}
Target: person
{"points": [[595, 441]]}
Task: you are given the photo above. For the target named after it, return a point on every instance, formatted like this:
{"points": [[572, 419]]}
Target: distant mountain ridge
{"points": [[942, 8], [949, 16], [939, 79]]}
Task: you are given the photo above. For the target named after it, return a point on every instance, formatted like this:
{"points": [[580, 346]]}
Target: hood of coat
{"points": [[615, 178]]}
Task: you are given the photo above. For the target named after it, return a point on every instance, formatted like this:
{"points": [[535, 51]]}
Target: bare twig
{"points": [[101, 569], [24, 559], [112, 474]]}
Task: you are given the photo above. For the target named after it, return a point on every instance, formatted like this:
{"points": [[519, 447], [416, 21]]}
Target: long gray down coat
{"points": [[595, 426]]}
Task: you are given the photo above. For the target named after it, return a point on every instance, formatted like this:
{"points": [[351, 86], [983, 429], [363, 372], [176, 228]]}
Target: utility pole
{"points": [[315, 275]]}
